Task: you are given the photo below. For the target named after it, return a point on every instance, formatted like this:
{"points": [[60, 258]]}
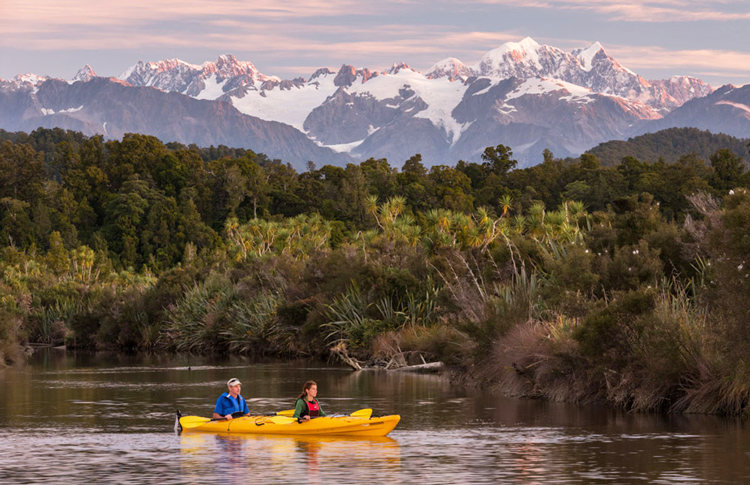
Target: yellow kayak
{"points": [[323, 426]]}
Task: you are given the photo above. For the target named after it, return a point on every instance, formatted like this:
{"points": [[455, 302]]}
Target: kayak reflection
{"points": [[236, 457]]}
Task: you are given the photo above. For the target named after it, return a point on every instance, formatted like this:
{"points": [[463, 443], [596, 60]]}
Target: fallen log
{"points": [[340, 351], [396, 363], [426, 368]]}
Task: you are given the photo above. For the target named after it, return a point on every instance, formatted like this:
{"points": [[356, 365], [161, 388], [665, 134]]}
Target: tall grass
{"points": [[200, 319], [255, 328], [50, 323], [675, 363], [355, 321]]}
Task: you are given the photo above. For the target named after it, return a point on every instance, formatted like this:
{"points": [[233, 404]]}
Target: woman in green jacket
{"points": [[307, 406]]}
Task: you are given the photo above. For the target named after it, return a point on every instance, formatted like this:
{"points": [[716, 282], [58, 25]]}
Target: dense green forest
{"points": [[669, 145], [568, 281]]}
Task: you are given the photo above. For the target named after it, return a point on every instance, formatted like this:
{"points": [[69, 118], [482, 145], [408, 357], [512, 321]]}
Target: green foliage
{"points": [[200, 320], [670, 145], [612, 332], [623, 282]]}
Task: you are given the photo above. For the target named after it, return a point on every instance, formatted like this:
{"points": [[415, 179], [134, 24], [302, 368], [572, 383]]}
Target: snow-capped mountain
{"points": [[207, 81], [84, 74], [451, 68], [522, 94], [112, 108], [590, 67]]}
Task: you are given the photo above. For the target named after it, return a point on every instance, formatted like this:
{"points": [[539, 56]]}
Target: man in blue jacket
{"points": [[231, 404]]}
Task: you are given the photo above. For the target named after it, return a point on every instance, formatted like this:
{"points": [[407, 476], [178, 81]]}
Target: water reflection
{"points": [[63, 416], [310, 459]]}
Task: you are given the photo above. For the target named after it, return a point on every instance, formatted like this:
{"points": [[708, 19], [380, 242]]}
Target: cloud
{"points": [[649, 11], [702, 61], [38, 15]]}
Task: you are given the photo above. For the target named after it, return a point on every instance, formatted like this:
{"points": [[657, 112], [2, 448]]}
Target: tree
{"points": [[16, 227], [57, 256], [380, 177], [727, 170], [21, 172], [413, 183], [498, 159], [353, 201], [451, 188], [123, 218], [256, 181]]}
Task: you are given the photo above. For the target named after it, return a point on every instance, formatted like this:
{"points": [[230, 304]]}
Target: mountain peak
{"points": [[526, 45], [451, 68], [228, 66], [348, 74], [84, 74], [30, 78], [396, 67], [227, 58], [323, 71], [519, 59], [586, 56]]}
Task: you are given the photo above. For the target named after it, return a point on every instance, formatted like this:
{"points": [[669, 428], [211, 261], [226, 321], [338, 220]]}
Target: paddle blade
{"points": [[362, 413], [188, 422], [287, 412], [281, 419]]}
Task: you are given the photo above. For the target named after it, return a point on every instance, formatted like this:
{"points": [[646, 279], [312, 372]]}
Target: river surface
{"points": [[67, 418]]}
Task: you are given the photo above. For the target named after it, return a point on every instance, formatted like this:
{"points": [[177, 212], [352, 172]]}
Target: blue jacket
{"points": [[226, 404]]}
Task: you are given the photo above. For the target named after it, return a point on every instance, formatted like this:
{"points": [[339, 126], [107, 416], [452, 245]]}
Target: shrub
{"points": [[199, 319], [609, 334]]}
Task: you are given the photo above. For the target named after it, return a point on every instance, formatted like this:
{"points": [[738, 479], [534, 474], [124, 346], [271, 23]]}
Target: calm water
{"points": [[101, 419]]}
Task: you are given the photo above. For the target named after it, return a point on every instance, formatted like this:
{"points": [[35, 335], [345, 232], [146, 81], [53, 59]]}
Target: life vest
{"points": [[232, 405], [312, 408]]}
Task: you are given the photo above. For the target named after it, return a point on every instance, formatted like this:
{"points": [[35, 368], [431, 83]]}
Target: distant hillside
{"points": [[669, 144]]}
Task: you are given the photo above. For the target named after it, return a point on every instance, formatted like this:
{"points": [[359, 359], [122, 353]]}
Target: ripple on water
{"points": [[113, 424]]}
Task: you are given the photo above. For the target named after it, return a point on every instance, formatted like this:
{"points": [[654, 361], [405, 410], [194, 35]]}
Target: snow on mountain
{"points": [[290, 106], [522, 60], [174, 75], [544, 86], [590, 67], [677, 90], [450, 68], [524, 93], [439, 95], [84, 74], [29, 79], [586, 56], [396, 67]]}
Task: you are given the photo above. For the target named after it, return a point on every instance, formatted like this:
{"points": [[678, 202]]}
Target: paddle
{"points": [[362, 413], [189, 422]]}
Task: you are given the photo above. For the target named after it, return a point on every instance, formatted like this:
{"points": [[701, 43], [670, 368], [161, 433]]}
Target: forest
{"points": [[571, 280]]}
